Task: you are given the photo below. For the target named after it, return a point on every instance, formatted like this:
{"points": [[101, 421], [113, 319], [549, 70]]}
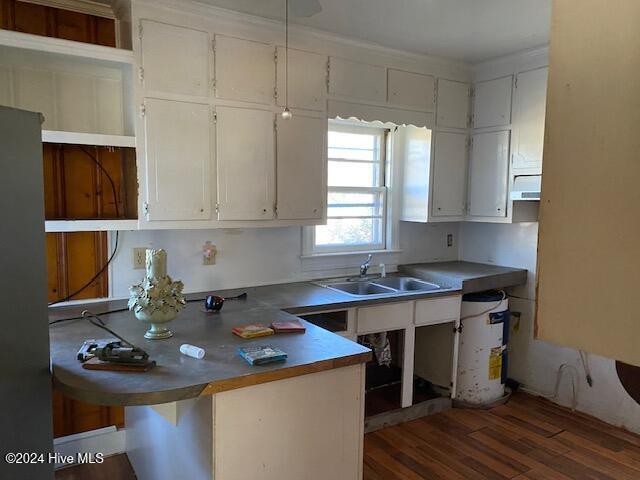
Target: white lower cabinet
{"points": [[179, 156], [301, 158], [245, 140], [424, 342], [488, 174]]}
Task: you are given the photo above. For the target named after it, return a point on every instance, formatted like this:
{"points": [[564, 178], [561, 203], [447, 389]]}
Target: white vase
{"points": [[156, 300]]}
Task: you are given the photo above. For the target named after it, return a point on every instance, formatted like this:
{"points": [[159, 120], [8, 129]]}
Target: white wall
{"points": [[248, 257], [534, 362]]}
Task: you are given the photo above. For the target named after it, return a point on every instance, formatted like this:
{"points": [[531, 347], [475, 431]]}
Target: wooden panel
{"points": [[77, 188], [71, 416], [54, 22], [588, 262]]}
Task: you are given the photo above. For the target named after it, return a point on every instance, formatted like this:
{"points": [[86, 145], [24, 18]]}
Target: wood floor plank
{"points": [[529, 417], [576, 442]]}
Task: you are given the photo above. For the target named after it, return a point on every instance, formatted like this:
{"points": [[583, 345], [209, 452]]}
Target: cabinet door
{"points": [[246, 163], [410, 89], [529, 111], [178, 144], [449, 174], [492, 102], [245, 70], [307, 80], [489, 168], [175, 59], [357, 80], [302, 155], [452, 104]]}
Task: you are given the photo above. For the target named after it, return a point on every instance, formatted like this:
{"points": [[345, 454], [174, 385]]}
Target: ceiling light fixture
{"points": [[286, 113]]}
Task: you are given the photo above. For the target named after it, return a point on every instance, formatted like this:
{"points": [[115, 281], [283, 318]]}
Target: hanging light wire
{"points": [[286, 113]]}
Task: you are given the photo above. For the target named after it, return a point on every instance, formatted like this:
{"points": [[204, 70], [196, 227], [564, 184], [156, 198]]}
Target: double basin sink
{"points": [[380, 286]]}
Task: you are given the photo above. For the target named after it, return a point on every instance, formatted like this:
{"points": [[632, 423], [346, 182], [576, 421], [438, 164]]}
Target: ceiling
{"points": [[466, 30]]}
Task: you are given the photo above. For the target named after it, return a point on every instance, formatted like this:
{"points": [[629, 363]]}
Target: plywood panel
{"points": [[588, 261]]}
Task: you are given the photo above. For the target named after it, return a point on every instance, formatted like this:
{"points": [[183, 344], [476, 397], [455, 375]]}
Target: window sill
{"points": [[347, 263], [349, 254]]}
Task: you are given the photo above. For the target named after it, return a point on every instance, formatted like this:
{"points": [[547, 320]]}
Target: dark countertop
{"points": [[180, 377], [467, 276]]}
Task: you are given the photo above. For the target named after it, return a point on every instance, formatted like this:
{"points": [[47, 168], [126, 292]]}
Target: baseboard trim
{"points": [[107, 441]]}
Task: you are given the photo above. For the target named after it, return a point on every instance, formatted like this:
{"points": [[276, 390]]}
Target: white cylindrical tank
{"points": [[482, 359]]}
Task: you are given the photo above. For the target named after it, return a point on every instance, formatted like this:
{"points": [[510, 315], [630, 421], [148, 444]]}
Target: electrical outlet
{"points": [[139, 258], [450, 240]]}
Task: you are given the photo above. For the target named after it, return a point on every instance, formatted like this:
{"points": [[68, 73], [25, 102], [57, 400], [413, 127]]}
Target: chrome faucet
{"points": [[364, 268]]}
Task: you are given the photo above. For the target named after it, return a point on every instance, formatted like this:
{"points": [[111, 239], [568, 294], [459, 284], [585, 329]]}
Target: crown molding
{"points": [[197, 8], [539, 51], [81, 6]]}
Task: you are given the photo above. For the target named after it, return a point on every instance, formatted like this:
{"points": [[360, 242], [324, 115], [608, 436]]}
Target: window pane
{"points": [[350, 231], [354, 204], [352, 154], [352, 140], [353, 174]]}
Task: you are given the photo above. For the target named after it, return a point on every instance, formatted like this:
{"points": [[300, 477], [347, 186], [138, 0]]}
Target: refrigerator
{"points": [[25, 378]]}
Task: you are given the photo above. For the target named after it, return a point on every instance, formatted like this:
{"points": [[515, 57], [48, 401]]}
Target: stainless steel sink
{"points": [[360, 288], [382, 286], [406, 284]]}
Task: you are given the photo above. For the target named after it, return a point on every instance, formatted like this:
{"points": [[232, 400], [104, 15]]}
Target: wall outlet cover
{"points": [[139, 258]]}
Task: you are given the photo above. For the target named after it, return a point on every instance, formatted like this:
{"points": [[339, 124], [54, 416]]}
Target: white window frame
{"points": [[309, 233]]}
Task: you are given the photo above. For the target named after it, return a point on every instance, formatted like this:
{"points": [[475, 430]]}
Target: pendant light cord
{"points": [[286, 54]]}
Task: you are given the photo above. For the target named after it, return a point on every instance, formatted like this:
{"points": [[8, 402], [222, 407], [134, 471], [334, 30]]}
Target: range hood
{"points": [[526, 187]]}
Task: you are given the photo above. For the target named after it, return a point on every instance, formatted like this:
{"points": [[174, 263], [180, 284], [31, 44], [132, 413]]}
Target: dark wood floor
{"points": [[527, 439]]}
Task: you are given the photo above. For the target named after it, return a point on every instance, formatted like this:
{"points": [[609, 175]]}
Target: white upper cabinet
{"points": [[492, 102], [178, 144], [528, 116], [245, 70], [449, 174], [301, 149], [175, 60], [307, 79], [246, 163], [410, 89], [488, 176], [357, 80], [412, 147], [452, 104]]}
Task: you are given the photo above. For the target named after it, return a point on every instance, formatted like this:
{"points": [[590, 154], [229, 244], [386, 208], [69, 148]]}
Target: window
{"points": [[356, 203]]}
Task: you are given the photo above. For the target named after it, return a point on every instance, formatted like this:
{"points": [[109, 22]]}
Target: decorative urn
{"points": [[157, 299]]}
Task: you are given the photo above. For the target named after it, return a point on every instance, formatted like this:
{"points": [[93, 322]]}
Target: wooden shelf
{"points": [[89, 225], [76, 138], [80, 50]]}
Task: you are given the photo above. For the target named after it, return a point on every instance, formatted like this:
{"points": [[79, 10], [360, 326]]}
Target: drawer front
{"points": [[438, 310], [384, 317]]}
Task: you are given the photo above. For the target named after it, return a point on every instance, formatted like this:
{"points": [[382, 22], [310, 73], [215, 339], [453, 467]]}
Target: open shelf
{"points": [[78, 138], [82, 50], [89, 225]]}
